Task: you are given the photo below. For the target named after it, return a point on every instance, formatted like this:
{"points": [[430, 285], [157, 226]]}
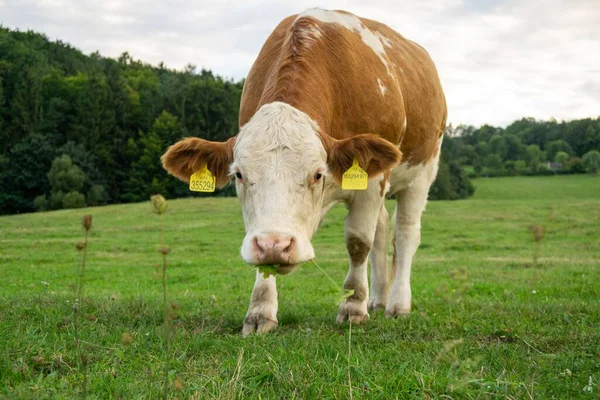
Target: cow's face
{"points": [[280, 162]]}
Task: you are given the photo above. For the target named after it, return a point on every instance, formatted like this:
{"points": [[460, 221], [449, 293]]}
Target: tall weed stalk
{"points": [[159, 204], [81, 246], [537, 232]]}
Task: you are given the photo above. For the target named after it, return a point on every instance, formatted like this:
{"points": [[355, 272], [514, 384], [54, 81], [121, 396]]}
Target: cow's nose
{"points": [[273, 249]]}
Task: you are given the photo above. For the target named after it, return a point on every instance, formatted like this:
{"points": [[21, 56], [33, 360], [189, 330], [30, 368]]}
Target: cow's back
{"points": [[351, 75]]}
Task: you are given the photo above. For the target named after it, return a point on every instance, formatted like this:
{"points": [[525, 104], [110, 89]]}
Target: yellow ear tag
{"points": [[355, 178], [203, 181]]}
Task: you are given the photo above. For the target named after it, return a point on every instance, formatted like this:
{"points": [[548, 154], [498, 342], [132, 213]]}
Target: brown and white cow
{"points": [[326, 88]]}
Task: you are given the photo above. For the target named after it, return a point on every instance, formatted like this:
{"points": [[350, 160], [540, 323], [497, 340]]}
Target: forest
{"points": [[79, 130]]}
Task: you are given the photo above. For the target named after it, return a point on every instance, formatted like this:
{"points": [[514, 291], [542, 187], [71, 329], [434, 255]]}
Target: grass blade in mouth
{"points": [[268, 270], [342, 294]]}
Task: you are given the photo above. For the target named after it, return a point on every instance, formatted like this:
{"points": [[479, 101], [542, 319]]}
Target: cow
{"points": [[329, 89]]}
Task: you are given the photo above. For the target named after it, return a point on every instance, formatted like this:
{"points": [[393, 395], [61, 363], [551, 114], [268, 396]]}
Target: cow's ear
{"points": [[189, 155], [374, 154]]}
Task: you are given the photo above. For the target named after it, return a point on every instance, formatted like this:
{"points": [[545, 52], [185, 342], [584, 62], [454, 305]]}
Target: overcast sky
{"points": [[498, 60]]}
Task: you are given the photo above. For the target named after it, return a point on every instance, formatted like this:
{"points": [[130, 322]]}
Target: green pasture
{"points": [[487, 321]]}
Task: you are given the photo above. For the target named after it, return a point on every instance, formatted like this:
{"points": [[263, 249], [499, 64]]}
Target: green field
{"points": [[486, 323]]}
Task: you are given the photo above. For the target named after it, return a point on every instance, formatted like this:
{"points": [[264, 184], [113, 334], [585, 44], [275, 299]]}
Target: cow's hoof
{"points": [[353, 311], [397, 310], [375, 305], [256, 323]]}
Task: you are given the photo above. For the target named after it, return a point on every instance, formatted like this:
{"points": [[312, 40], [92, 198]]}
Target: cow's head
{"points": [[280, 162]]}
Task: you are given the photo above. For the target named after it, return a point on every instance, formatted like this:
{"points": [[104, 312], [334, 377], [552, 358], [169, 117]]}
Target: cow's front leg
{"points": [[379, 270], [410, 204], [262, 312], [360, 227]]}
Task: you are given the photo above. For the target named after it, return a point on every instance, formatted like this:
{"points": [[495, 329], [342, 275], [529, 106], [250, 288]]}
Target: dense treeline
{"points": [[526, 147], [111, 118], [80, 130]]}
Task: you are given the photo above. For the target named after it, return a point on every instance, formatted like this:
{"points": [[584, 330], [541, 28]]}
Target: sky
{"points": [[498, 60]]}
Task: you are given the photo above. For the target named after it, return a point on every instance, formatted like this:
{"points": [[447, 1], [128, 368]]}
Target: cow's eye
{"points": [[238, 175], [318, 176]]}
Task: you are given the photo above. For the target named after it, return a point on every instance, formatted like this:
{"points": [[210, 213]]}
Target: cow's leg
{"points": [[410, 204], [379, 273], [360, 226], [262, 313]]}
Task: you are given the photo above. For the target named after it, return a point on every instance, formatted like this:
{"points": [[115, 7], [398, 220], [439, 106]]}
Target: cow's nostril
{"points": [[257, 246], [288, 248]]}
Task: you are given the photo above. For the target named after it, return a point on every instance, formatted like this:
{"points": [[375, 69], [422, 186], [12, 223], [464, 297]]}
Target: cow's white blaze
{"points": [[278, 152]]}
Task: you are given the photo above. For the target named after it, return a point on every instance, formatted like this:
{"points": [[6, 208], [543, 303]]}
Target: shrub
{"points": [[41, 203], [96, 195], [591, 161], [520, 166], [73, 199], [561, 157], [451, 183], [65, 176], [510, 168], [56, 200], [575, 166], [542, 169]]}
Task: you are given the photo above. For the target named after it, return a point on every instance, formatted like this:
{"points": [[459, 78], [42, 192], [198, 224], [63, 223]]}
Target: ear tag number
{"points": [[203, 181], [355, 178]]}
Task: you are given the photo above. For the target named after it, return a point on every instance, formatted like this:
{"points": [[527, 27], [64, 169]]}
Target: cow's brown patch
{"points": [[357, 249]]}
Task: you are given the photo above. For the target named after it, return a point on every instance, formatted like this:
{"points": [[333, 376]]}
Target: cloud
{"points": [[498, 60]]}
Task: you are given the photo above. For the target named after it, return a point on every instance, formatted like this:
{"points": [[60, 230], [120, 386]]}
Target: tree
{"points": [[96, 195], [451, 183], [520, 166], [591, 161], [494, 163], [73, 200], [499, 147], [64, 176], [575, 166], [21, 178], [510, 167], [534, 156], [557, 146], [66, 180], [146, 174], [561, 158], [515, 150], [482, 149], [88, 162], [467, 155], [2, 101]]}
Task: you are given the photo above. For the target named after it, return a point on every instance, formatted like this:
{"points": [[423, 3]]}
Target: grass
{"points": [[486, 323]]}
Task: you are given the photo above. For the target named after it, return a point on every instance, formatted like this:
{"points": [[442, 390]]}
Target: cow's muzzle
{"points": [[273, 249]]}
